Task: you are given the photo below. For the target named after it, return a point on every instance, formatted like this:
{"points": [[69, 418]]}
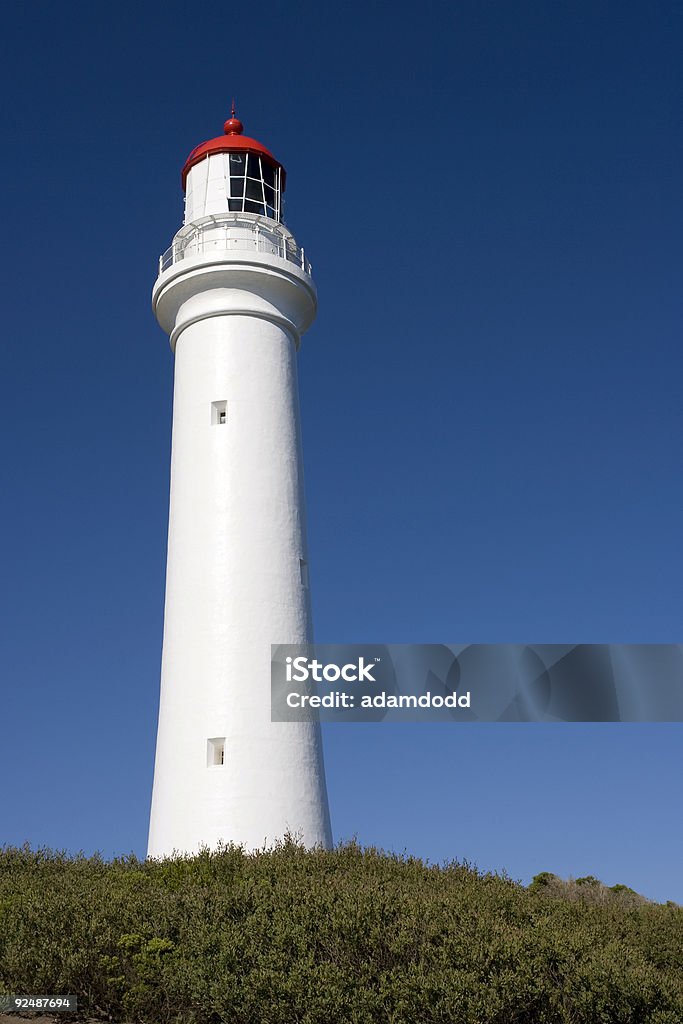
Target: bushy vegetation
{"points": [[588, 889], [352, 935]]}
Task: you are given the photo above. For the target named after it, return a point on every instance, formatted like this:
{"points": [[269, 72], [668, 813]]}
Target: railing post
{"points": [[303, 260]]}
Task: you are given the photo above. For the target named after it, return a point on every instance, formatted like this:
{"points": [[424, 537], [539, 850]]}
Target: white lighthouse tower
{"points": [[234, 294]]}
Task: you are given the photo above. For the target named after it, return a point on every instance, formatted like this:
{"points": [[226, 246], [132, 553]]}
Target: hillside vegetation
{"points": [[352, 935]]}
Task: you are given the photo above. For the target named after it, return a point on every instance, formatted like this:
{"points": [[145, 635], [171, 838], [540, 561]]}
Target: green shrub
{"points": [[545, 878], [349, 935]]}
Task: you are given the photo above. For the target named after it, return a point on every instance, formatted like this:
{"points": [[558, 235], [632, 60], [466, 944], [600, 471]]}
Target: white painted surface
{"points": [[236, 537], [206, 188]]}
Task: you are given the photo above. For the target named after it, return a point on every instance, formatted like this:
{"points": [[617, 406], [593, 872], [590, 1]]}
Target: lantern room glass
{"points": [[254, 186]]}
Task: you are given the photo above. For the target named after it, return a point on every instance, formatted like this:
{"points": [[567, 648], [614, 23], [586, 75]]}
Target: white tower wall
{"points": [[237, 576], [206, 190]]}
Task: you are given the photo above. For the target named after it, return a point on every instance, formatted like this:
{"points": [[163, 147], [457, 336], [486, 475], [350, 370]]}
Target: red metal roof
{"points": [[232, 142]]}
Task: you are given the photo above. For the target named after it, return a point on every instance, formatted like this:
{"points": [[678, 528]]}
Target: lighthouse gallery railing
{"points": [[232, 234]]}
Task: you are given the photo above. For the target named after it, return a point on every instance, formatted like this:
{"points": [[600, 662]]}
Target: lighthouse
{"points": [[235, 294]]}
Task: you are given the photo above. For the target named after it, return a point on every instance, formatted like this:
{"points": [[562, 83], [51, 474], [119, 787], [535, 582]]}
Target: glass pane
{"points": [[252, 207], [270, 212], [237, 162], [236, 186], [254, 170], [270, 195], [235, 204], [268, 174], [254, 190]]}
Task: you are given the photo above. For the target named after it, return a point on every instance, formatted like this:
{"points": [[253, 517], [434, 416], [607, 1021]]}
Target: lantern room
{"points": [[233, 174]]}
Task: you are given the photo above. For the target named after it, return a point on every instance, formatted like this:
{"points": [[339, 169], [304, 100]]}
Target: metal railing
{"points": [[228, 235]]}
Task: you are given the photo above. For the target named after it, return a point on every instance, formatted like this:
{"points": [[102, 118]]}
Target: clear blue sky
{"points": [[491, 395]]}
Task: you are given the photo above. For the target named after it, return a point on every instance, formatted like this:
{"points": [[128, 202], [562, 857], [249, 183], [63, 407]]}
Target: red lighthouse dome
{"points": [[235, 143]]}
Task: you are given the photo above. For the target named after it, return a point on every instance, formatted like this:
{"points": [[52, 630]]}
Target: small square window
{"points": [[215, 752], [236, 187], [219, 413], [254, 190]]}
